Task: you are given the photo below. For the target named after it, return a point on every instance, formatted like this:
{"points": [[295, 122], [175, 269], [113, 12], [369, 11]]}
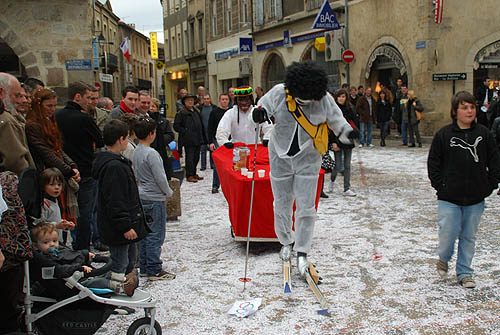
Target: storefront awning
{"points": [[487, 54]]}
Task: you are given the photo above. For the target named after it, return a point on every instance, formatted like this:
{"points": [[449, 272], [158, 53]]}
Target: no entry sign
{"points": [[348, 56]]}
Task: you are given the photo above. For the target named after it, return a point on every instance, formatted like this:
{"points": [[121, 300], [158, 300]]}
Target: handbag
{"points": [[419, 115], [327, 162]]}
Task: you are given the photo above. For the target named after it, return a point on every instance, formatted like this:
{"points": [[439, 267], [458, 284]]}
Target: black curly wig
{"points": [[306, 80]]}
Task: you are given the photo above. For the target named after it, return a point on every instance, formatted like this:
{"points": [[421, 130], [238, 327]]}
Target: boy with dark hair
{"points": [[130, 96], [153, 190], [464, 168], [120, 215]]}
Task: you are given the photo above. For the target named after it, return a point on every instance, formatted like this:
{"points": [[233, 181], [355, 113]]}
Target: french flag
{"points": [[125, 47]]}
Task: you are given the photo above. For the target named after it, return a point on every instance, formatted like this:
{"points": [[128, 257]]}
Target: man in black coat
{"points": [[81, 137], [483, 96], [213, 123], [191, 135], [164, 135]]}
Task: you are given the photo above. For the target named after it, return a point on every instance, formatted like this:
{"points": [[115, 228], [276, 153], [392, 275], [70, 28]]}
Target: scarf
{"points": [[124, 108]]}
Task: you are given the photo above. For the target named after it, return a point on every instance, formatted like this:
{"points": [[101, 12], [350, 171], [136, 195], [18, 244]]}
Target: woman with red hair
{"points": [[45, 144], [44, 137]]}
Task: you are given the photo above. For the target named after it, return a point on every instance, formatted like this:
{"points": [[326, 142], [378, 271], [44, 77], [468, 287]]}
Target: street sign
{"points": [[326, 19], [105, 78], [287, 41], [159, 65], [78, 65], [449, 76], [348, 56], [245, 45]]}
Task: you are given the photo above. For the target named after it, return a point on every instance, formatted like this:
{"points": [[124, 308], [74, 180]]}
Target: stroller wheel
{"points": [[141, 327]]}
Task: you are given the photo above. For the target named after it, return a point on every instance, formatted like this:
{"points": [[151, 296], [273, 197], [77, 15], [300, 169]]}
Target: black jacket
{"points": [[190, 128], [119, 208], [80, 134], [350, 117], [213, 123], [463, 164], [65, 263], [164, 135], [384, 111]]}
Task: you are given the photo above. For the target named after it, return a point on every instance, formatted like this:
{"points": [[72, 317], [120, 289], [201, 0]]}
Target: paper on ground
{"points": [[244, 308]]}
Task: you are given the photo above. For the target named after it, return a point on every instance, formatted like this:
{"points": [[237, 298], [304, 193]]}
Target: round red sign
{"points": [[348, 56]]}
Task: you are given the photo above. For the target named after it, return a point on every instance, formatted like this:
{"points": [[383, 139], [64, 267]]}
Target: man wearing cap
{"points": [[236, 122], [191, 135]]}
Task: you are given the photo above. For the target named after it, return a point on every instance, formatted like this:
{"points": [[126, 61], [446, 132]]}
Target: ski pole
{"points": [[245, 279]]}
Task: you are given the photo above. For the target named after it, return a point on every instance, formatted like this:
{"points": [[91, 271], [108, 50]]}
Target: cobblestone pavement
{"points": [[401, 293]]}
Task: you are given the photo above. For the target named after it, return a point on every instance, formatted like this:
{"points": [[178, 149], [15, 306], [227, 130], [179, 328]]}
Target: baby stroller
{"points": [[64, 306], [79, 310]]}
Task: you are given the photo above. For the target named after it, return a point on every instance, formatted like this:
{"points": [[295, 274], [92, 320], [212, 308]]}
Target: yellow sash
{"points": [[319, 133]]}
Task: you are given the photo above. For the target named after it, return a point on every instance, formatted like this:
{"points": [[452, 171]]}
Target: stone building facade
{"points": [[45, 34], [197, 46], [228, 56], [176, 34]]}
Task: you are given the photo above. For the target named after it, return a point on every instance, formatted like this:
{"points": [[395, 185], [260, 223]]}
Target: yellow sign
{"points": [[159, 65], [153, 42], [319, 44]]}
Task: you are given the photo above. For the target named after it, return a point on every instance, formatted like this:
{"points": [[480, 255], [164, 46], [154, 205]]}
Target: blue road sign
{"points": [[326, 19], [78, 65], [245, 45]]}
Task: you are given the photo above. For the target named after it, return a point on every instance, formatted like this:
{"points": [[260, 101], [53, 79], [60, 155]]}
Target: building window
{"points": [[214, 18], [98, 25], [272, 9], [179, 44], [167, 49], [173, 44], [186, 38], [314, 4], [228, 15], [177, 5], [171, 7], [201, 42], [183, 3], [191, 37], [244, 11], [151, 70]]}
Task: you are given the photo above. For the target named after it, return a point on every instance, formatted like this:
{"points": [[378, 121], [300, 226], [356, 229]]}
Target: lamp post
{"points": [[102, 42]]}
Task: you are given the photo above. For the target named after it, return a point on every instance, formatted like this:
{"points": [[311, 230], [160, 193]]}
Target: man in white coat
{"points": [[237, 123], [294, 161]]}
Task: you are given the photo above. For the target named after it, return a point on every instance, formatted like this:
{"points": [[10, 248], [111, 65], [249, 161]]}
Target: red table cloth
{"points": [[237, 190]]}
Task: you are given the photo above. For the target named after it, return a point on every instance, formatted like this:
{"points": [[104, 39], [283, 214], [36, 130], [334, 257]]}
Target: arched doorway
{"points": [[386, 65], [9, 61], [487, 64], [274, 71]]}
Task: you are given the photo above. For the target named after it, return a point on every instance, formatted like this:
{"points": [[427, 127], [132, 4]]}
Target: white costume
{"points": [[296, 177], [242, 130]]}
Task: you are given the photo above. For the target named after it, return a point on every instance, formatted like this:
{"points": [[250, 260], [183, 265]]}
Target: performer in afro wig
{"points": [[294, 160]]}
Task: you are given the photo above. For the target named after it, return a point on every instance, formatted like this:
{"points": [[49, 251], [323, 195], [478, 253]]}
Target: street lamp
{"points": [[102, 42]]}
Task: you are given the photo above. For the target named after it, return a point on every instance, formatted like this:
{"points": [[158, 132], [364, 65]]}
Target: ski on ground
{"points": [[312, 279], [287, 278]]}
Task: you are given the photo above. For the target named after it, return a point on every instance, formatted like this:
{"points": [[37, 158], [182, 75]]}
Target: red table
{"points": [[237, 190]]}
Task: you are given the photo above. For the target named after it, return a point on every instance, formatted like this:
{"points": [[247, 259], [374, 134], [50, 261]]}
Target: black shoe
{"points": [[323, 195], [215, 190], [203, 169], [101, 247]]}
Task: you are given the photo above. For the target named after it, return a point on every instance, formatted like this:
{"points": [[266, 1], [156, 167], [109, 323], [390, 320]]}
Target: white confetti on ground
{"points": [[399, 294]]}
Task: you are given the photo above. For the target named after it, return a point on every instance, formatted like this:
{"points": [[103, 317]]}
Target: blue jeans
{"points": [[87, 201], [203, 157], [123, 257], [150, 247], [365, 126], [344, 163], [459, 222], [215, 179], [404, 132]]}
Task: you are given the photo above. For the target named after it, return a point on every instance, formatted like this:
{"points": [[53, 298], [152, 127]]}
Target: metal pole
{"points": [[257, 132], [347, 69]]}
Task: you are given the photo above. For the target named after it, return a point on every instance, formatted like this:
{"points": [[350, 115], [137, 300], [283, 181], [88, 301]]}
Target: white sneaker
{"points": [[349, 193], [330, 187], [360, 146], [370, 145]]}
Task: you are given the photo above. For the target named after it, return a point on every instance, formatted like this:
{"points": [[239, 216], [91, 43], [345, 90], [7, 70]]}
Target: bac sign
{"points": [[348, 56], [326, 19]]}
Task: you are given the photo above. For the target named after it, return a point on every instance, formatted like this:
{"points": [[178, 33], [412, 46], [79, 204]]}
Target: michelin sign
{"points": [[326, 19]]}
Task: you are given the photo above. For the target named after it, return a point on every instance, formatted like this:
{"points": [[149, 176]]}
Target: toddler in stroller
{"points": [[82, 299]]}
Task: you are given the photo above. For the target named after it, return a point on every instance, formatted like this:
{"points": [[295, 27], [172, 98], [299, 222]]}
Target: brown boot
{"points": [[130, 284], [192, 179]]}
